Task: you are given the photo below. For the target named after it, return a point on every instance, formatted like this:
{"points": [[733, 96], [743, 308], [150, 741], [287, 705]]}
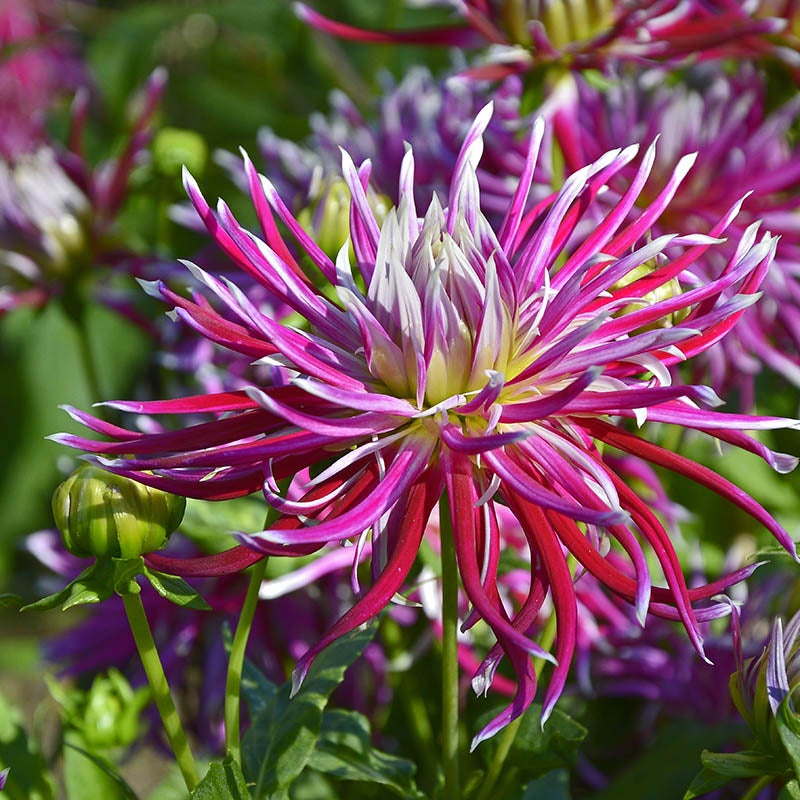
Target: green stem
{"points": [[510, 731], [755, 790], [233, 683], [449, 653], [160, 688], [75, 307]]}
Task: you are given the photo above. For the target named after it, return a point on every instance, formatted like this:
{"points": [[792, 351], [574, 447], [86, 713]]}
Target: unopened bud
{"points": [[105, 515]]}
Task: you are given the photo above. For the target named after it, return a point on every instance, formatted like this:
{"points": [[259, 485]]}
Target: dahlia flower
{"points": [[741, 150], [580, 35], [439, 356], [57, 211]]}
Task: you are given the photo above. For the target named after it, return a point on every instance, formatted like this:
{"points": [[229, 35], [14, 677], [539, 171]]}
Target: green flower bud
{"points": [[105, 515], [175, 147], [327, 217]]}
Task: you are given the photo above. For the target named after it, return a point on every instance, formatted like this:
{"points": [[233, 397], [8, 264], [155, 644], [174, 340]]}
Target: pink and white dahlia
{"points": [[58, 212], [436, 356]]}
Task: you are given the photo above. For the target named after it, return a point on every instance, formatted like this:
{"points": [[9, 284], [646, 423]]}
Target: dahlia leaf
{"points": [[93, 585], [537, 749], [281, 740], [223, 781], [176, 590], [344, 751], [788, 724], [87, 773]]}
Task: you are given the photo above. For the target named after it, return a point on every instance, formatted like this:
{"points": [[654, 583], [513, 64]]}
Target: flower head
{"points": [[437, 353], [57, 211]]}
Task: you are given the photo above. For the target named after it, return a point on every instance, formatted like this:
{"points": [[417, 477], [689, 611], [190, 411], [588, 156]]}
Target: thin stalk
{"points": [[509, 733], [233, 682], [449, 653], [160, 688], [756, 789], [76, 308]]}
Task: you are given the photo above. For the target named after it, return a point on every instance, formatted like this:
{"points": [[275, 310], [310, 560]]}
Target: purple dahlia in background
{"points": [[579, 35], [742, 151], [57, 211], [435, 115], [437, 354]]}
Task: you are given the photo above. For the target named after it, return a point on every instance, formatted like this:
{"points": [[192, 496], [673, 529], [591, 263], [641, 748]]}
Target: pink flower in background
{"points": [[57, 212], [439, 354], [39, 65]]}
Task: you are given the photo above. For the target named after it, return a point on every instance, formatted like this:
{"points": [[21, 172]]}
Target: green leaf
{"points": [[279, 743], [553, 786], [29, 778], [10, 600], [89, 774], [93, 585], [788, 724], [126, 571], [223, 781], [704, 782], [176, 590], [668, 765], [344, 750], [536, 750], [791, 791], [745, 764]]}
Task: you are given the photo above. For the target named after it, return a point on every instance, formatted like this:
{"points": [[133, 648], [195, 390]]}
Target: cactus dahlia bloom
{"points": [[582, 34], [436, 355]]}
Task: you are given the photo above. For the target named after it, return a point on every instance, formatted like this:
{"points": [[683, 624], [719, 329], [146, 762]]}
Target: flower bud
{"points": [[761, 684], [327, 217], [105, 515]]}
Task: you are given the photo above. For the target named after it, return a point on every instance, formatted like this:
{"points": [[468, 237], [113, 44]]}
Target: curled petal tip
{"points": [[298, 676]]}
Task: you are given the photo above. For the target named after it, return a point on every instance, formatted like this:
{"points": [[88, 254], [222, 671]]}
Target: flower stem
{"points": [[233, 683], [756, 789], [449, 653], [510, 732], [160, 688]]}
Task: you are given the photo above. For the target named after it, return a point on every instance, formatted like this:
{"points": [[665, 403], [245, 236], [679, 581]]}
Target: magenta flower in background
{"points": [[57, 212], [39, 65], [592, 34], [437, 353], [741, 150]]}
